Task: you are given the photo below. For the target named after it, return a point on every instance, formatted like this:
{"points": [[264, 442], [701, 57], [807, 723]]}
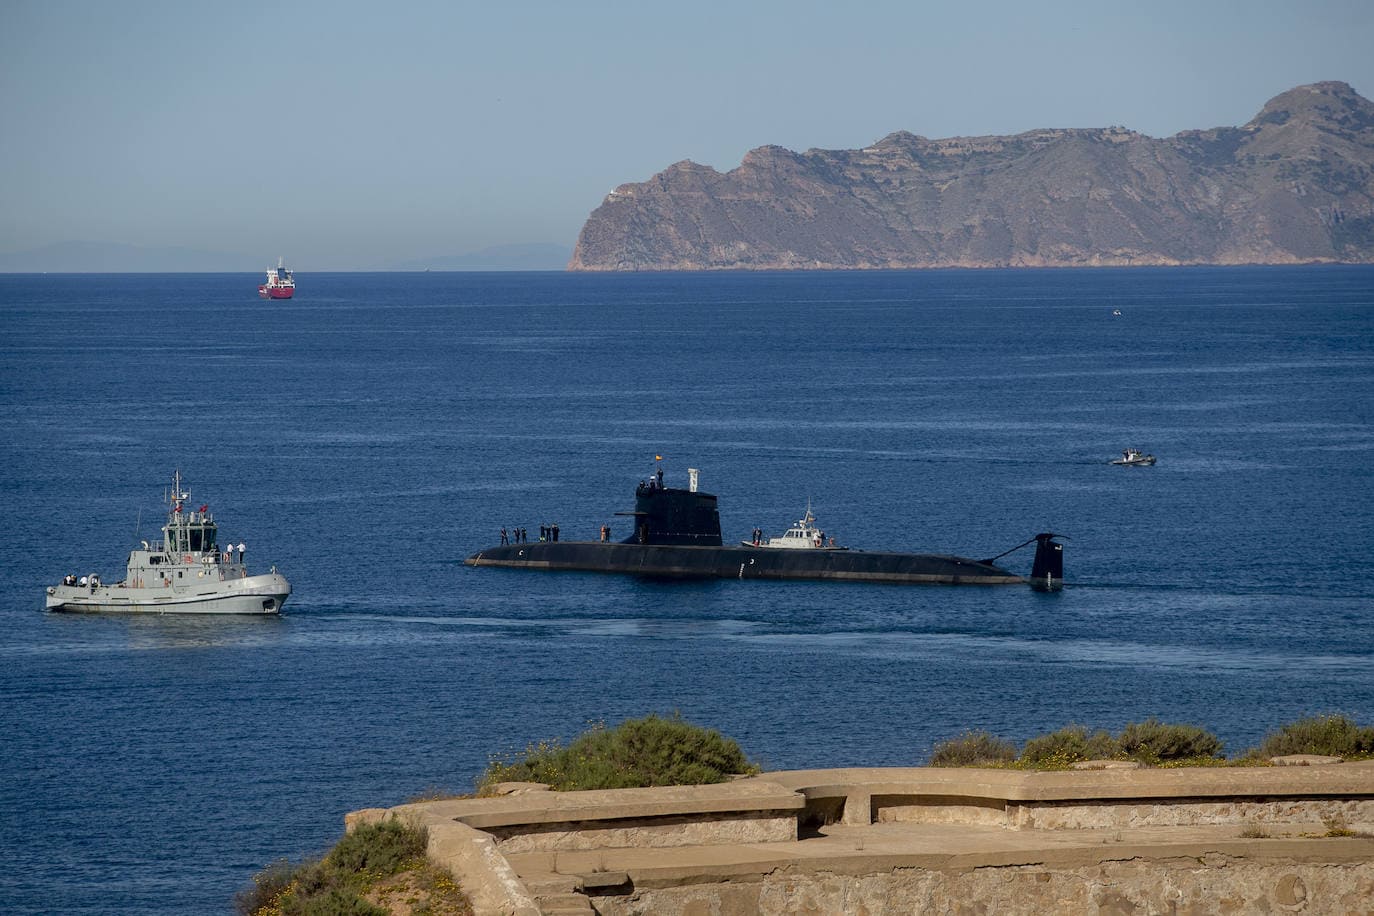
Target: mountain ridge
{"points": [[118, 257], [1295, 184]]}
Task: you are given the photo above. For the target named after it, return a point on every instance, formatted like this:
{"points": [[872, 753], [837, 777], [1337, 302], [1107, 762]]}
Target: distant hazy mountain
{"points": [[497, 257], [110, 257], [1294, 185]]}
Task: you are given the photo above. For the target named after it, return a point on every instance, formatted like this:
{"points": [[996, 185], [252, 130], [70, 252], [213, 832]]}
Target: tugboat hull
{"points": [[251, 595]]}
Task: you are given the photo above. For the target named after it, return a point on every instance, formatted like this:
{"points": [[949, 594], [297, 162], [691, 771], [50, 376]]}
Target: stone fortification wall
{"points": [[1310, 813], [701, 830], [883, 840], [1182, 887]]}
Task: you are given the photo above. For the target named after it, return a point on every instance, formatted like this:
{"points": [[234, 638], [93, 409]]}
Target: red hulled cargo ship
{"points": [[280, 284]]}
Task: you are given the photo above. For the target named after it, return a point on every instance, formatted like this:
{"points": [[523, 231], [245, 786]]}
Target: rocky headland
{"points": [[1294, 185]]}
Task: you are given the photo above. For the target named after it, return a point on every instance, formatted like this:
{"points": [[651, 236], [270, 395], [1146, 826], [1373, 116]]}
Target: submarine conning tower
{"points": [[669, 516]]}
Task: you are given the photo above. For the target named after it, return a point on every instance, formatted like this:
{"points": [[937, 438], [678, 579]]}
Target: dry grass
{"points": [[376, 870], [423, 891]]}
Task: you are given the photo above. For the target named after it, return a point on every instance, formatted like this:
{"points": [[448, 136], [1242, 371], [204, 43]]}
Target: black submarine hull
{"points": [[720, 562], [677, 535]]}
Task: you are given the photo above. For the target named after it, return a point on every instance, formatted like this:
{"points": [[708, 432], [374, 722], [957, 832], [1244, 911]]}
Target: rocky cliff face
{"points": [[1294, 185]]}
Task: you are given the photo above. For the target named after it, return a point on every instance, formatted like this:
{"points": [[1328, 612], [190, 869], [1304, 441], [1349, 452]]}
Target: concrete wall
{"points": [[1312, 813], [701, 830], [907, 840], [1181, 887]]}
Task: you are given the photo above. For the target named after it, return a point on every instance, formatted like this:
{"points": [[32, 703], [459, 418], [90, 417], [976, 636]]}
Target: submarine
{"points": [[677, 536]]}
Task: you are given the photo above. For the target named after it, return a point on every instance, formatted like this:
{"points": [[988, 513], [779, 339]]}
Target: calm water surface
{"points": [[370, 433]]}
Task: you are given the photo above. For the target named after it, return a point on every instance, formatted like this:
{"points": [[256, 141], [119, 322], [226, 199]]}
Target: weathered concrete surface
{"points": [[700, 830], [1348, 779], [1110, 765], [892, 868], [517, 788], [471, 856], [881, 848], [937, 809], [1179, 886], [1084, 799], [1303, 760], [1311, 813], [889, 840], [745, 795]]}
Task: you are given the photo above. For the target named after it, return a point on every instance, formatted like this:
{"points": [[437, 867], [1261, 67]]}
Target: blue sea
{"points": [[369, 434]]}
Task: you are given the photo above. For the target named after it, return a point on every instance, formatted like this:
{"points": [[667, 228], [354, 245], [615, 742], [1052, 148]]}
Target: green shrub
{"points": [[1251, 758], [1156, 742], [378, 849], [334, 885], [333, 901], [266, 890], [1333, 735], [973, 748], [1070, 744], [651, 751]]}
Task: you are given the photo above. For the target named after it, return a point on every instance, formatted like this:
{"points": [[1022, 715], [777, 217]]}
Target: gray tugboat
{"points": [[677, 535], [188, 573]]}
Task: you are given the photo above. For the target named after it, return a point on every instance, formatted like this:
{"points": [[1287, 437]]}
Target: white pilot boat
{"points": [[1133, 457], [188, 573], [803, 535]]}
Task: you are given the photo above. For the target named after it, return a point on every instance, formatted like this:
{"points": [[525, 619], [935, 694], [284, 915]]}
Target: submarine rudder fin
{"points": [[1047, 571]]}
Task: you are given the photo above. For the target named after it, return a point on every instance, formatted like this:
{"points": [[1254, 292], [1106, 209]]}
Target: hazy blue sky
{"points": [[350, 135]]}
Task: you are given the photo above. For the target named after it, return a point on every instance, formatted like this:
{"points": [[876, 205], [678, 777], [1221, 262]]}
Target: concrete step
{"points": [[600, 879], [564, 905], [548, 885]]}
